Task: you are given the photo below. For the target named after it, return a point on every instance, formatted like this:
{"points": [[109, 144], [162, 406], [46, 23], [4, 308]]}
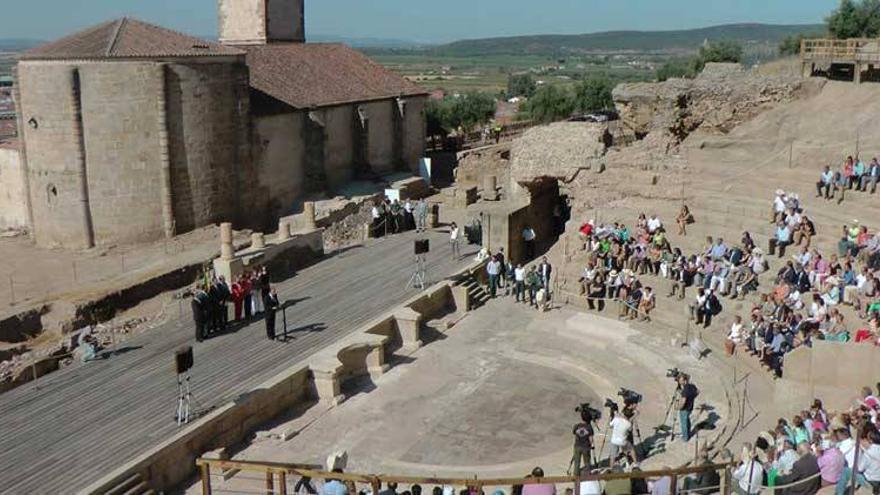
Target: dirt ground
{"points": [[30, 275]]}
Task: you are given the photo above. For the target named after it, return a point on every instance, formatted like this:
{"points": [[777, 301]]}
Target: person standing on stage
{"points": [[271, 305], [247, 290], [237, 297], [198, 309]]}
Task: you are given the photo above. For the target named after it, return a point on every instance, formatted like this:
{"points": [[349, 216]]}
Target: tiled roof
{"points": [[306, 75], [127, 38]]}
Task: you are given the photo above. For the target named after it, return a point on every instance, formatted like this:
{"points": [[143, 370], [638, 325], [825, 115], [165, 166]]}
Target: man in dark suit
{"points": [[199, 310], [805, 470], [544, 271], [271, 305]]}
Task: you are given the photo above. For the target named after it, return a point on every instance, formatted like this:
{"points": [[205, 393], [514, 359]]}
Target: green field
{"points": [[490, 72]]}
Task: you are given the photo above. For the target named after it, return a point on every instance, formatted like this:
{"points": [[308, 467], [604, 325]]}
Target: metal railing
{"points": [[853, 49]]}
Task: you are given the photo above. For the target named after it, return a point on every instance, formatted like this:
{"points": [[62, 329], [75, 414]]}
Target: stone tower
{"points": [[258, 22]]}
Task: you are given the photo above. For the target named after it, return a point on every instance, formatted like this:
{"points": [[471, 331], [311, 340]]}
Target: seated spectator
{"points": [[781, 240], [803, 472], [830, 461], [804, 231], [646, 304], [653, 224], [747, 243], [539, 488], [683, 219], [840, 185], [734, 336], [748, 474], [718, 250], [870, 176], [823, 186]]}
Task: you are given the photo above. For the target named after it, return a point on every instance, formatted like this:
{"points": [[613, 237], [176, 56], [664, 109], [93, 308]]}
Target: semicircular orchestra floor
{"points": [[496, 396]]}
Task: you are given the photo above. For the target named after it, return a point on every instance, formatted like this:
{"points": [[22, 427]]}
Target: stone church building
{"points": [[130, 132]]}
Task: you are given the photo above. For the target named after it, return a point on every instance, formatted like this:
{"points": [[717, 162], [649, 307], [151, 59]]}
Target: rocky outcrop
{"points": [[558, 151], [720, 98]]}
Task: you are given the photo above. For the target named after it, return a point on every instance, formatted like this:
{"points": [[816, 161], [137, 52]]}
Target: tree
{"points": [[593, 95], [550, 103], [675, 68], [845, 21], [791, 45], [465, 111], [520, 85]]}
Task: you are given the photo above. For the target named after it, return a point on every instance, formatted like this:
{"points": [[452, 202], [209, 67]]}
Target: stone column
{"points": [[258, 241], [490, 188], [227, 251], [327, 387], [376, 365], [309, 216], [409, 324], [283, 230]]}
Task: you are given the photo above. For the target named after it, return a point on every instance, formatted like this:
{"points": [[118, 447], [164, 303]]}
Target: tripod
{"points": [[674, 416], [638, 436], [419, 274], [186, 402]]}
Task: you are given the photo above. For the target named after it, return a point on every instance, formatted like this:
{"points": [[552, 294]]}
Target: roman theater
{"points": [[569, 270]]}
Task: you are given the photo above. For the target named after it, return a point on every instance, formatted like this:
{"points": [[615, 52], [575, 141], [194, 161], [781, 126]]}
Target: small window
{"points": [[51, 194]]}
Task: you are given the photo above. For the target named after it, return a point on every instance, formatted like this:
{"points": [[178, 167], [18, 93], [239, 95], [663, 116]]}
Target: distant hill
{"points": [[17, 44], [639, 41], [379, 43]]}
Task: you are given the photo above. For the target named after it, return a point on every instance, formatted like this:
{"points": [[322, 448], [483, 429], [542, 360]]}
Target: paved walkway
{"points": [[69, 428]]}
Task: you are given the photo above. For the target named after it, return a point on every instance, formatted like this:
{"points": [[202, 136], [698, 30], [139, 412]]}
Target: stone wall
{"points": [[286, 21], [381, 136], [207, 133], [278, 151], [13, 201], [53, 170], [338, 147], [121, 133], [242, 21], [92, 133], [415, 131], [832, 371]]}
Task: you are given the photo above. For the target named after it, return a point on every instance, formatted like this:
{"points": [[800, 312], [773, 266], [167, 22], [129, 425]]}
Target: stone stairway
{"points": [[131, 485], [477, 293]]}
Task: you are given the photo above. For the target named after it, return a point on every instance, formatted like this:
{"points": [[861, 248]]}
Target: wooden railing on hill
{"points": [[853, 50], [273, 477]]}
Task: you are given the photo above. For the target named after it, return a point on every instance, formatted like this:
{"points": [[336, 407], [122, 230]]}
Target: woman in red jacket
{"points": [[237, 297]]}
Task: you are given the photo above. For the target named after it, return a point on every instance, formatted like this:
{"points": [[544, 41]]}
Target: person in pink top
{"points": [[539, 488], [830, 460]]}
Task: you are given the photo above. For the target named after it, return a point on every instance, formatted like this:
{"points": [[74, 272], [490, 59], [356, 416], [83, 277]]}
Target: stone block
{"points": [[462, 299], [490, 188], [258, 241], [327, 387], [409, 324]]}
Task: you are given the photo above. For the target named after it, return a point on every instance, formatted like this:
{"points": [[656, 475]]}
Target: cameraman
{"points": [[583, 441], [687, 393], [621, 431]]}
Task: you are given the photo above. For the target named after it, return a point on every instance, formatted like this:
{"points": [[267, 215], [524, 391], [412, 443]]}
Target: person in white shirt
{"points": [[620, 428], [749, 474], [454, 241], [786, 459], [778, 206], [529, 236], [654, 223], [869, 462], [735, 333], [698, 303], [519, 277]]}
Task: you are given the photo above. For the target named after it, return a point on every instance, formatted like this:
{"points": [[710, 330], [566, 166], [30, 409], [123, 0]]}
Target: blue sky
{"points": [[420, 20]]}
